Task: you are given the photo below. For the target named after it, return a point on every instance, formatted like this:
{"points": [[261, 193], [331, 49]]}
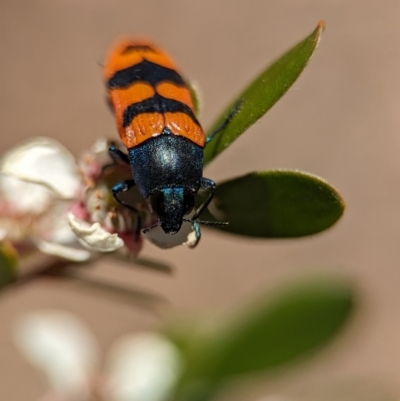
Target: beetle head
{"points": [[171, 204]]}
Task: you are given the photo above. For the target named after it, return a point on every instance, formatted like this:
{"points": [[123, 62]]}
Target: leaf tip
{"points": [[321, 26], [318, 32], [340, 200]]}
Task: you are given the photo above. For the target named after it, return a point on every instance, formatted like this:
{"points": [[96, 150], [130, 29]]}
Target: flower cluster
{"points": [[65, 207]]}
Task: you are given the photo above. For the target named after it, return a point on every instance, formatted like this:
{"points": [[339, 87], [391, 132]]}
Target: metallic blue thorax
{"points": [[166, 161]]}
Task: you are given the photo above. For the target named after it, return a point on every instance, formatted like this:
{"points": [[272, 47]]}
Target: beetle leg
{"points": [[205, 183], [124, 186], [225, 122], [198, 235], [117, 156]]}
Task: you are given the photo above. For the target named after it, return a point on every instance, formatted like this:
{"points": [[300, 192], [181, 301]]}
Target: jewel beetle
{"points": [[156, 122]]}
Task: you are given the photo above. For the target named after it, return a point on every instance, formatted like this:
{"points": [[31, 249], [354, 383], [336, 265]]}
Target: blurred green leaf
{"points": [[274, 332], [276, 204], [263, 93], [195, 96], [297, 322], [8, 263]]}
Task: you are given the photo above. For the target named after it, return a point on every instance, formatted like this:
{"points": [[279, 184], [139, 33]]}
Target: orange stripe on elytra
{"points": [[133, 94], [172, 91], [143, 126], [181, 124], [148, 125], [117, 60], [122, 98]]}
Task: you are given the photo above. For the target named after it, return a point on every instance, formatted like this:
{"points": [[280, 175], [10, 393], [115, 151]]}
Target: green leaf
{"points": [[262, 93], [298, 321], [276, 204], [8, 263], [194, 94]]}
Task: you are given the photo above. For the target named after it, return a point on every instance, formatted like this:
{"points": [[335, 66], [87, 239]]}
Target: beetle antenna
{"points": [[212, 223], [147, 229], [208, 223], [236, 108]]}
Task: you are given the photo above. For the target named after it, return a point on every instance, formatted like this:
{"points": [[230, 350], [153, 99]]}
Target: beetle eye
{"points": [[157, 202]]}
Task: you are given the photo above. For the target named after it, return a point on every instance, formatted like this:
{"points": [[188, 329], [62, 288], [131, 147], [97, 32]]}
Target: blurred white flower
{"points": [[61, 347], [144, 367], [141, 367]]}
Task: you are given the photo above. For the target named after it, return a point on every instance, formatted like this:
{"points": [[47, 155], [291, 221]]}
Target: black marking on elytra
{"points": [[145, 71], [157, 104], [138, 48]]}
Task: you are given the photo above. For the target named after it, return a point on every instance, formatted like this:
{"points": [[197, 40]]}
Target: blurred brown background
{"points": [[339, 121]]}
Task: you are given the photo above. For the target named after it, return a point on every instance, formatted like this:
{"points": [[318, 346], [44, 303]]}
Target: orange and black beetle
{"points": [[156, 122]]}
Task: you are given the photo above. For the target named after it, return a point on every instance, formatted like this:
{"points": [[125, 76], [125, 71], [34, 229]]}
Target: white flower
{"points": [[46, 162], [37, 182], [141, 367], [41, 184]]}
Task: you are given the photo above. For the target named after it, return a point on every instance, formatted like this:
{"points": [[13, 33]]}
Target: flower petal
{"points": [[24, 197], [43, 161], [92, 161], [93, 236], [143, 367], [63, 251], [158, 237], [57, 343]]}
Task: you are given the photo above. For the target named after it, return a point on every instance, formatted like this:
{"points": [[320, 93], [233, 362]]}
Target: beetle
{"points": [[156, 122]]}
